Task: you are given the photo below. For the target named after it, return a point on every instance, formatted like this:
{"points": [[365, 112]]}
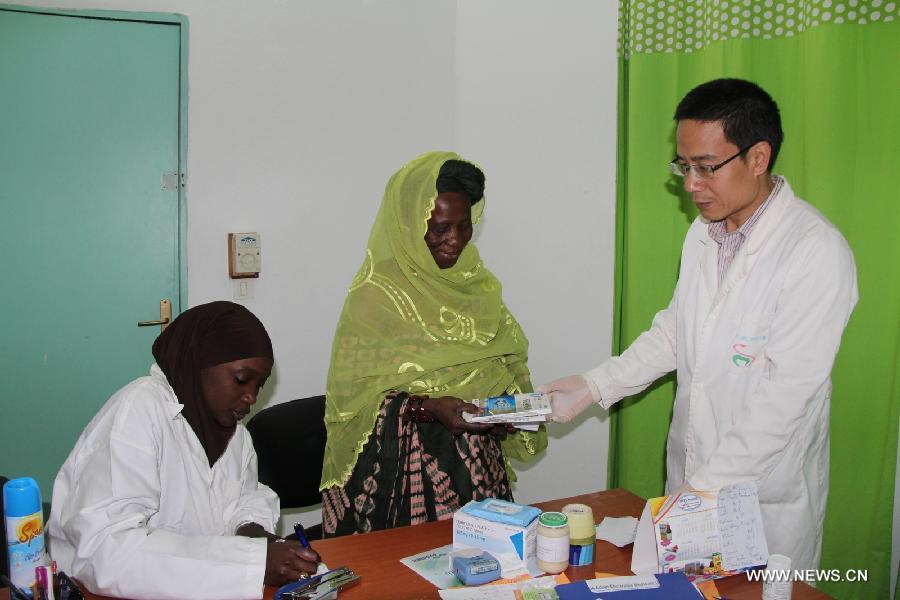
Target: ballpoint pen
{"points": [[301, 535]]}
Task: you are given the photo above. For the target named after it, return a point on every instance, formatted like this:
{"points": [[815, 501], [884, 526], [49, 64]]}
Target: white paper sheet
{"points": [[617, 530], [434, 565], [740, 525]]}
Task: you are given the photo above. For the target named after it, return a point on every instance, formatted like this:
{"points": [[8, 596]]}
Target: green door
{"points": [[89, 204]]}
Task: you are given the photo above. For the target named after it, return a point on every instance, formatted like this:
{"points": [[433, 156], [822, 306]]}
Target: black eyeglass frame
{"points": [[681, 169]]}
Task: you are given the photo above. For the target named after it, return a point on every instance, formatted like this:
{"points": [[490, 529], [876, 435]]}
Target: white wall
{"points": [[298, 114], [536, 93], [300, 111]]}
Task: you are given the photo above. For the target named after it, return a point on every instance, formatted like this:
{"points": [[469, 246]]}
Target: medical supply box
{"points": [[506, 530]]}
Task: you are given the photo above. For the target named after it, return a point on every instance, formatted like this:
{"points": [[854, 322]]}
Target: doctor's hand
{"points": [[288, 561], [569, 397]]}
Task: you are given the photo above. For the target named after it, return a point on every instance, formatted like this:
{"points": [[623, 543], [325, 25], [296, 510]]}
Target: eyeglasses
{"points": [[703, 171]]}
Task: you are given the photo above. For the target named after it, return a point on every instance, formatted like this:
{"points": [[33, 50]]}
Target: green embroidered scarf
{"points": [[408, 325]]}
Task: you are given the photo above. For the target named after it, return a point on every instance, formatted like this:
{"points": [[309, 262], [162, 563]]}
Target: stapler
{"points": [[317, 587]]}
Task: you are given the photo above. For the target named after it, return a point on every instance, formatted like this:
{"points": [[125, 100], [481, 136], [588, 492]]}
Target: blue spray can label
{"points": [[24, 530]]}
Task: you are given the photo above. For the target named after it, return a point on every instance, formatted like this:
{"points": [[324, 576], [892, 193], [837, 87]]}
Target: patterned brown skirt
{"points": [[410, 473]]}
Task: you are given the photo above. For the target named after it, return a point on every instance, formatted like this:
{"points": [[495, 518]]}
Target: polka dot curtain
{"points": [[648, 26]]}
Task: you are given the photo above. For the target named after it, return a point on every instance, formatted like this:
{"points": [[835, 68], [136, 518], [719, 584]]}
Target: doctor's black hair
{"points": [[463, 177], [747, 112]]}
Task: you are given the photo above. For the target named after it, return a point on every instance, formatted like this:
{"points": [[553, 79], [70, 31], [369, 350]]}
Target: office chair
{"points": [[289, 439]]}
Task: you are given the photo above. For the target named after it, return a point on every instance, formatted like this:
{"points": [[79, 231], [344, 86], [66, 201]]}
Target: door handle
{"points": [[165, 316]]}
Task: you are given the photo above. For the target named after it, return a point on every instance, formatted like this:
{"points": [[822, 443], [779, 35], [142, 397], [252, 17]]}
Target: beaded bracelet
{"points": [[415, 412]]}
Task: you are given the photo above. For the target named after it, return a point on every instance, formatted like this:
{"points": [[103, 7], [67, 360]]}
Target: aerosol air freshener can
{"points": [[24, 530]]}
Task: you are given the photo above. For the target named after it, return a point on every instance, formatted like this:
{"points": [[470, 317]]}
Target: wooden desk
{"points": [[376, 556]]}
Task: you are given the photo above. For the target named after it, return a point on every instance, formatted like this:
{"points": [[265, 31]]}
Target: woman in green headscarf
{"points": [[423, 326]]}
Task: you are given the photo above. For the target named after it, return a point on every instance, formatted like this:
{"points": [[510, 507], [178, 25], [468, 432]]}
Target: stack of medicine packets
{"points": [[524, 411]]}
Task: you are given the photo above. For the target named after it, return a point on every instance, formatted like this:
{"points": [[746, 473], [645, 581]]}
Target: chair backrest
{"points": [[290, 445]]}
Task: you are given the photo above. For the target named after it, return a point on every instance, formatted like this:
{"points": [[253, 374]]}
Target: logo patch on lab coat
{"points": [[746, 349], [740, 358], [750, 339]]}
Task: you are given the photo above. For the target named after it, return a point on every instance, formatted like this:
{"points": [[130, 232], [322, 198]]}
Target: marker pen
{"points": [[44, 580]]}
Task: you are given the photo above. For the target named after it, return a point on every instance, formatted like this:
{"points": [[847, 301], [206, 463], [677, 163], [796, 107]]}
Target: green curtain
{"points": [[834, 69]]}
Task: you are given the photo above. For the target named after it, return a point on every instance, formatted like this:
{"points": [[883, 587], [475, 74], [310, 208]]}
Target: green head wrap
{"points": [[409, 325]]}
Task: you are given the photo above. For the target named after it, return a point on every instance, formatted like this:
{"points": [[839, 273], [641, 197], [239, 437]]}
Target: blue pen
{"points": [[301, 535]]}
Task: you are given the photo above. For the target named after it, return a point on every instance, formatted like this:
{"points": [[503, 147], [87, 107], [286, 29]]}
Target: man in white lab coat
{"points": [[765, 289]]}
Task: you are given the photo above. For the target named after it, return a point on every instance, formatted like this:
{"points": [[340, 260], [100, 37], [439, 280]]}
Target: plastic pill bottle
{"points": [[779, 585], [553, 542], [581, 534]]}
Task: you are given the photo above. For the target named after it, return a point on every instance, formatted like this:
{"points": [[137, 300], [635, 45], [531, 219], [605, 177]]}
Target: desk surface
{"points": [[376, 556]]}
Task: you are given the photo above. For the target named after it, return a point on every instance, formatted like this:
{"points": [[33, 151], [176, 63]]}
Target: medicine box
{"points": [[514, 546]]}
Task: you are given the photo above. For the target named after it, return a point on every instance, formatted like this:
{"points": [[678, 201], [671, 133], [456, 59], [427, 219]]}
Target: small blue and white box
{"points": [[475, 570], [506, 530]]}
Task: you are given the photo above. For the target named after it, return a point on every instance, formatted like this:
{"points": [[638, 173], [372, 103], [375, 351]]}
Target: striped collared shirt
{"points": [[731, 242]]}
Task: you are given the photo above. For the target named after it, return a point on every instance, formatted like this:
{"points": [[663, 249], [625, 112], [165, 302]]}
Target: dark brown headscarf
{"points": [[205, 336]]}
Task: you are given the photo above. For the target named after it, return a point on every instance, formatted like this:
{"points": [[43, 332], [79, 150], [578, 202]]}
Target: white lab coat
{"points": [[138, 512], [753, 359]]}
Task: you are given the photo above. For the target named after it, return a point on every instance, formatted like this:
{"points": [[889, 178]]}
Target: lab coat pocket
{"points": [[749, 341], [745, 361], [783, 484]]}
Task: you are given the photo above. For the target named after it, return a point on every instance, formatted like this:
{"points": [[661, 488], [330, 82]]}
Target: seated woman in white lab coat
{"points": [[160, 498]]}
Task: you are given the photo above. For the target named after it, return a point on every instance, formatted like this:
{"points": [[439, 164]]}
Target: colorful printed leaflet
{"points": [[525, 411], [704, 534]]}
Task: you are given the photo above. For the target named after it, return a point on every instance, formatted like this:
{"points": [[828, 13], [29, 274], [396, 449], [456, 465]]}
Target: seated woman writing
{"points": [[159, 498], [423, 327]]}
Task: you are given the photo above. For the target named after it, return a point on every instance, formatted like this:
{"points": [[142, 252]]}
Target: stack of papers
{"points": [[524, 411]]}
